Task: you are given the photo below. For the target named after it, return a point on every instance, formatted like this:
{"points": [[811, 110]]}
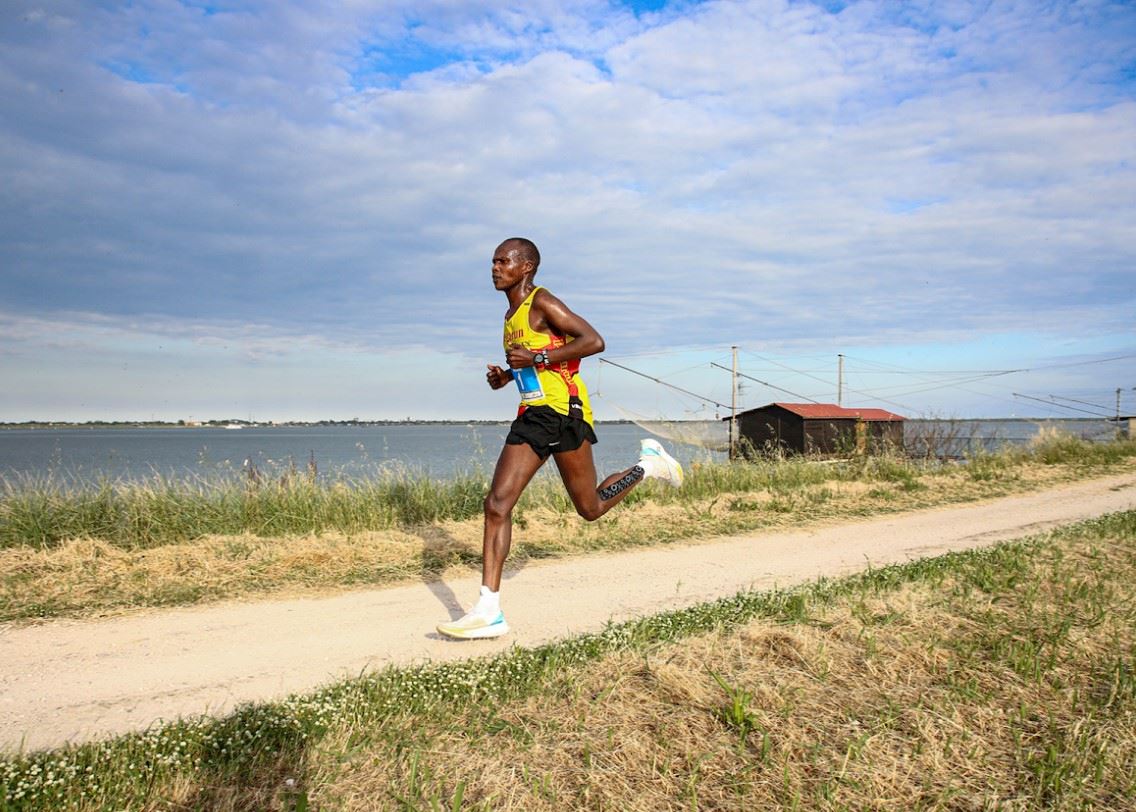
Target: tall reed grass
{"points": [[43, 512]]}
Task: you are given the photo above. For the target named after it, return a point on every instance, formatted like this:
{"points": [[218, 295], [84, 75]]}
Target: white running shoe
{"points": [[475, 626], [657, 463]]}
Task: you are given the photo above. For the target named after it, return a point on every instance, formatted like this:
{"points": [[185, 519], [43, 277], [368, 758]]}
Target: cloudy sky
{"points": [[286, 211]]}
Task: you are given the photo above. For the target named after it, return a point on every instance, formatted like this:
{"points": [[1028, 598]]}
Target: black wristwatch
{"points": [[540, 360]]}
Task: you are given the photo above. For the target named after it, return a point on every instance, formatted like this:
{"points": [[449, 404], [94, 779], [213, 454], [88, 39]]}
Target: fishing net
{"points": [[709, 434]]}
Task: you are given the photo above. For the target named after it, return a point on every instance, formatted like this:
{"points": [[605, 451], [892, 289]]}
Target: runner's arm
{"points": [[555, 316]]}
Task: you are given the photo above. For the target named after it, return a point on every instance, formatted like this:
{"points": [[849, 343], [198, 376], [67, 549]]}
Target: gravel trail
{"points": [[76, 680]]}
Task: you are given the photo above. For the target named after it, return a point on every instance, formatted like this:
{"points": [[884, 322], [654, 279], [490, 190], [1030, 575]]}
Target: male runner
{"points": [[544, 342]]}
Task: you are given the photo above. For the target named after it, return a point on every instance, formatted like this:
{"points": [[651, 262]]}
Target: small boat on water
{"points": [[234, 426]]}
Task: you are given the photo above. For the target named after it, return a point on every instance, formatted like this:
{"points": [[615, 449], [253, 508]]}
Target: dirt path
{"points": [[72, 680]]}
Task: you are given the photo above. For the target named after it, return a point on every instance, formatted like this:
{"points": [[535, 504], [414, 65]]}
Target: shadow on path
{"points": [[441, 550]]}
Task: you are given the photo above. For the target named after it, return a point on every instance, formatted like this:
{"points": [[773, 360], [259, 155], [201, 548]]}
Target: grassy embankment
{"points": [[114, 546], [997, 679]]}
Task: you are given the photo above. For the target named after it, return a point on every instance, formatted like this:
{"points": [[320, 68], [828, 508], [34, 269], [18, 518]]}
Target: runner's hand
{"points": [[497, 377], [518, 357]]}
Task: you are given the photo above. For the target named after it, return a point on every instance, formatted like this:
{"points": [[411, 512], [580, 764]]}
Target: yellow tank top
{"points": [[556, 384]]}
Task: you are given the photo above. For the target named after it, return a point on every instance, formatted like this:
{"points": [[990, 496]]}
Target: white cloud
{"points": [[761, 168]]}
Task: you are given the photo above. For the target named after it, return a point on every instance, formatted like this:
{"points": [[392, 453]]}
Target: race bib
{"points": [[528, 382]]}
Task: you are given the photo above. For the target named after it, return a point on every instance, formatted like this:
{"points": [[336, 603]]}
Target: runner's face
{"points": [[509, 267]]}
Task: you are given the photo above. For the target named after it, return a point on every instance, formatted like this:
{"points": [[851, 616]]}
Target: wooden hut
{"points": [[817, 428]]}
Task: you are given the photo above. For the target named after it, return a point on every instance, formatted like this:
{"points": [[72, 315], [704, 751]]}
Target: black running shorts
{"points": [[547, 431]]}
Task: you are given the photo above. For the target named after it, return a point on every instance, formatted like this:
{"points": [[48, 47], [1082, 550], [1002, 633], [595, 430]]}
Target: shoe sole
{"points": [[483, 633]]}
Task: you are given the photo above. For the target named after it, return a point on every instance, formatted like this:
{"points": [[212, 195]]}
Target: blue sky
{"points": [[286, 211]]}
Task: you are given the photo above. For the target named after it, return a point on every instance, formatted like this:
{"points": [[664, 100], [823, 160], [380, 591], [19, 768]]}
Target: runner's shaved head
{"points": [[527, 249]]}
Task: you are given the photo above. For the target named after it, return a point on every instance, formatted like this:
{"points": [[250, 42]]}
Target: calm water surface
{"points": [[441, 451]]}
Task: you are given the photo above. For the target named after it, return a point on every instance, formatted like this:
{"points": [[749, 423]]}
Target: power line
{"points": [[896, 369], [786, 366], [938, 384], [1104, 409], [972, 376], [664, 383], [903, 406], [765, 383], [1082, 363], [1058, 405], [954, 383]]}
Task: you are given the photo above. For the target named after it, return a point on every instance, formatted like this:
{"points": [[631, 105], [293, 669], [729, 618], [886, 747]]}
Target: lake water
{"points": [[440, 451]]}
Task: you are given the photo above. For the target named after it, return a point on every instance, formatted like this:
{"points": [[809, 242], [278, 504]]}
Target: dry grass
{"points": [[1020, 695], [1000, 679], [91, 576]]}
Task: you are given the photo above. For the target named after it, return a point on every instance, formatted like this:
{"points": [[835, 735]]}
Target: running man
{"points": [[544, 342]]}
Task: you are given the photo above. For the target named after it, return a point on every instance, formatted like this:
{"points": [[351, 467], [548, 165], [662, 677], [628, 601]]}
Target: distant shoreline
{"points": [[247, 424]]}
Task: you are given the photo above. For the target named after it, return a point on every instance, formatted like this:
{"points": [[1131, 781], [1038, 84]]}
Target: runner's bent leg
{"points": [[578, 470], [515, 468]]}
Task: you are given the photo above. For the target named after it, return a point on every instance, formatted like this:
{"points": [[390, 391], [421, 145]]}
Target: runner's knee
{"points": [[588, 511], [497, 507]]}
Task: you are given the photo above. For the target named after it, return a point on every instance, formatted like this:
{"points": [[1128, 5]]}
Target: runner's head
{"points": [[514, 259], [527, 249]]}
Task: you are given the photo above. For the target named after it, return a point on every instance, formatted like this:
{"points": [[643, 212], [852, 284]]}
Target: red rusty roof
{"points": [[830, 411]]}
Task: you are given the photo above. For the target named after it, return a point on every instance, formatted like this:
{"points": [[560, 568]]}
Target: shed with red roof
{"points": [[818, 428]]}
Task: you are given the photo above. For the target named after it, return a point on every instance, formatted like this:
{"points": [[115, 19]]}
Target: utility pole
{"points": [[839, 379], [734, 405]]}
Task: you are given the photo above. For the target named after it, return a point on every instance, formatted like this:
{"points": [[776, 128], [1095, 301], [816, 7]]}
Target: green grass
{"points": [[1024, 605], [46, 511], [68, 551]]}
